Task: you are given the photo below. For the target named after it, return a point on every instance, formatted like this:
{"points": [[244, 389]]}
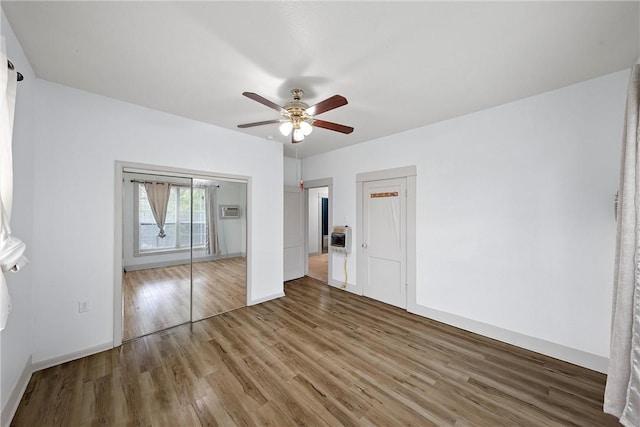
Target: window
{"points": [[178, 223]]}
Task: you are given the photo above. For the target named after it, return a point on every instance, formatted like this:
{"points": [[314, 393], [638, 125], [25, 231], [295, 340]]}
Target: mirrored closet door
{"points": [[184, 249], [156, 283], [220, 263]]}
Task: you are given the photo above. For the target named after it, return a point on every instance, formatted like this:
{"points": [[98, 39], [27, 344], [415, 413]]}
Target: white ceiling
{"points": [[401, 65]]}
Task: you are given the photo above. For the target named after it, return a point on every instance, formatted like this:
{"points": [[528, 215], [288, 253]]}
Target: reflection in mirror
{"points": [[156, 280], [219, 257]]}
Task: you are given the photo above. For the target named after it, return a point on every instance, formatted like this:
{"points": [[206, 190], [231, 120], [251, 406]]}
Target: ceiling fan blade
{"points": [[332, 126], [266, 122], [328, 104], [265, 101]]}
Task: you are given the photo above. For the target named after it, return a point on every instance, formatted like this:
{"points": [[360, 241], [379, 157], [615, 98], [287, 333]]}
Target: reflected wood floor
{"points": [[219, 286], [158, 298], [319, 267], [320, 357]]}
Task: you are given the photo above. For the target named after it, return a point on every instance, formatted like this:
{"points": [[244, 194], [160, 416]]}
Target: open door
{"points": [[294, 250]]}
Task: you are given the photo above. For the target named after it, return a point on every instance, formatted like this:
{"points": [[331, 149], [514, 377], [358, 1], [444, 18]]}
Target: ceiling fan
{"points": [[298, 118]]}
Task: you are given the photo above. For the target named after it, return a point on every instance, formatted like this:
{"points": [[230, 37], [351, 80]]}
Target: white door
{"points": [[384, 241], [294, 253]]}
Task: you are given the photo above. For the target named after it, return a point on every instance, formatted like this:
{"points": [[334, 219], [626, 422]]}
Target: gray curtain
{"points": [[622, 393], [211, 203], [158, 195]]}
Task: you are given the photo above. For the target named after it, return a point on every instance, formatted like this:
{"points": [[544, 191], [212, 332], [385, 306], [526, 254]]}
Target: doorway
{"points": [[186, 263], [318, 233]]}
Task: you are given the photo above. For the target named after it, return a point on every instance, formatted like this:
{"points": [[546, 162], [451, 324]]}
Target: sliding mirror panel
{"points": [[219, 246], [156, 283]]}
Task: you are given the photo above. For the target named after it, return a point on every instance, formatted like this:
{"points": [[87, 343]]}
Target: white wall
{"points": [[16, 339], [292, 171], [315, 218], [79, 136], [515, 223]]}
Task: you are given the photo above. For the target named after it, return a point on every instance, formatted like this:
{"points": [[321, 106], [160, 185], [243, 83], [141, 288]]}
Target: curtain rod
{"points": [[11, 67], [154, 182], [150, 182]]}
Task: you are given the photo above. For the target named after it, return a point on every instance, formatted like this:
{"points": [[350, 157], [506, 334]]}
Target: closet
{"points": [[184, 246]]}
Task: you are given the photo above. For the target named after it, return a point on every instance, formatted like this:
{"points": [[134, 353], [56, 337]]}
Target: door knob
{"points": [[364, 246]]}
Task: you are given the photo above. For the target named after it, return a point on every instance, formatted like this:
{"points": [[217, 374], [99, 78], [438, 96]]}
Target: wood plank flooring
{"points": [[319, 267], [319, 357], [219, 286], [158, 298]]}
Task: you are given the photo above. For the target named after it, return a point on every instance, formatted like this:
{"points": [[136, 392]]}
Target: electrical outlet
{"points": [[83, 306]]}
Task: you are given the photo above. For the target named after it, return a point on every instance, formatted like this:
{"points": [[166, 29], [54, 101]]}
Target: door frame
{"points": [[317, 183], [410, 173], [120, 167]]}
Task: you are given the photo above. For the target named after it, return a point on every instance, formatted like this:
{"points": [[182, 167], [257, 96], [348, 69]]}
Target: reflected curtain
{"points": [[158, 195], [11, 248], [622, 393], [211, 203]]}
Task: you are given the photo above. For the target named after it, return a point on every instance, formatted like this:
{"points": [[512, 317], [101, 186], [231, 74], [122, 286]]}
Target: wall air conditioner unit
{"points": [[230, 212]]}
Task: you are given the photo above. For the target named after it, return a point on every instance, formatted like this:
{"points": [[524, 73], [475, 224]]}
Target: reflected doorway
{"points": [[318, 233], [188, 262]]}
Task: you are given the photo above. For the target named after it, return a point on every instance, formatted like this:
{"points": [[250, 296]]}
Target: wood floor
{"points": [[158, 298], [219, 286], [319, 357], [319, 267]]}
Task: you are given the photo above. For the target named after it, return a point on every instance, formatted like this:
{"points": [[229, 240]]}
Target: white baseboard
{"points": [[267, 298], [548, 348], [44, 364], [10, 408], [353, 288], [135, 267]]}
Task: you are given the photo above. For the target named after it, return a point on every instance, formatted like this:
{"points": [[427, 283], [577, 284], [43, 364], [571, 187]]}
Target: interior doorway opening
{"points": [[318, 233]]}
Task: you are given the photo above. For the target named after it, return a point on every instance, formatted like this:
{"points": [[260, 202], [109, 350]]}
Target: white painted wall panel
{"points": [[293, 233], [79, 136], [515, 224]]}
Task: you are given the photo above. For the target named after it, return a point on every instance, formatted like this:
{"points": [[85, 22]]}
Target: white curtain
{"points": [[622, 393], [11, 248], [158, 195], [211, 204]]}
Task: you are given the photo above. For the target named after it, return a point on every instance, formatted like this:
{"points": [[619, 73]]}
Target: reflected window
{"points": [[177, 224]]}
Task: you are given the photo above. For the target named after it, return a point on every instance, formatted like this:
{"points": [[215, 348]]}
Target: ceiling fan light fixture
{"points": [[286, 128], [298, 135], [297, 118], [306, 128]]}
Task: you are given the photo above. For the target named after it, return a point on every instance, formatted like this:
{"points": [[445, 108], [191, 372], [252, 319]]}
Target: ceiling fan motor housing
{"points": [[296, 109]]}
